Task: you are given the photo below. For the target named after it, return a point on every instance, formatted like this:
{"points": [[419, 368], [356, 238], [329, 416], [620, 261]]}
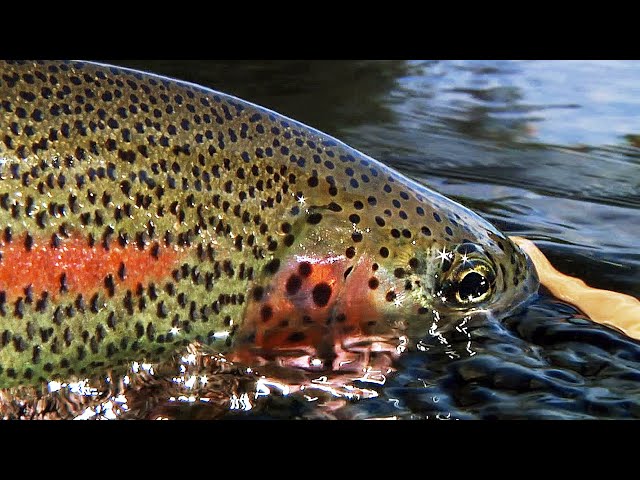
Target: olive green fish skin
{"points": [[119, 157]]}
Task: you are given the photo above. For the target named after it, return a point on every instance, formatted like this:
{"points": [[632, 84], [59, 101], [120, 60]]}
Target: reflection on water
{"points": [[545, 150]]}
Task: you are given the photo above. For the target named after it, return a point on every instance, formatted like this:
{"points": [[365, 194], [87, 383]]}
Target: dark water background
{"points": [[548, 150]]}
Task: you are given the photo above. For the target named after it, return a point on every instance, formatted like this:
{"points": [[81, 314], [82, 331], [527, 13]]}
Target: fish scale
{"points": [[141, 213]]}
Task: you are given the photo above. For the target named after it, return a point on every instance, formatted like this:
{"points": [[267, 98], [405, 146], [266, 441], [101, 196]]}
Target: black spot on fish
{"points": [[294, 282], [304, 269], [321, 294]]}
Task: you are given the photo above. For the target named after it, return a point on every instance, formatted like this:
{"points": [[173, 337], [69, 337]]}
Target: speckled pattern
{"points": [[140, 213]]}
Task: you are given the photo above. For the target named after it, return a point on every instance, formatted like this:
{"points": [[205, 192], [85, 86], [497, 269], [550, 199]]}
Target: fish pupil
{"points": [[472, 286]]}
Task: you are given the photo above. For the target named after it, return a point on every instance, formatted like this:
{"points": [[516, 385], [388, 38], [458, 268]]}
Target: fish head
{"points": [[476, 271], [470, 279]]}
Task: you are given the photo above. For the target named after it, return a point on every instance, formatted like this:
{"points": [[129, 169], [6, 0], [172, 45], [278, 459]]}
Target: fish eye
{"points": [[470, 279], [472, 286]]}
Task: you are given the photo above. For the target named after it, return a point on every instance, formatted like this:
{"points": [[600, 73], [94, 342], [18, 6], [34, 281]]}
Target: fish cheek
{"points": [[359, 311], [297, 303], [294, 310], [310, 307]]}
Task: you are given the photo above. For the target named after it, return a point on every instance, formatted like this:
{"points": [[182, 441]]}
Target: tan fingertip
{"points": [[613, 309]]}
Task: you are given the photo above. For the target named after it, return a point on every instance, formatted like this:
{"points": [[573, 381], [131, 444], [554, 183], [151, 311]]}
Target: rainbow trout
{"points": [[139, 214]]}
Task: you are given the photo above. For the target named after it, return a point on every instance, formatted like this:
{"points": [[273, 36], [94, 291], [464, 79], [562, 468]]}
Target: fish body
{"points": [[140, 213]]}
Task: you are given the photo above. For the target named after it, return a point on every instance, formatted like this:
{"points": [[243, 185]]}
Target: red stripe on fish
{"points": [[76, 267]]}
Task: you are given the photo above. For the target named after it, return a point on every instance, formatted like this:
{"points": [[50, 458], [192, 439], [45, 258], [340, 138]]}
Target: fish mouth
{"points": [[532, 281], [525, 291]]}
